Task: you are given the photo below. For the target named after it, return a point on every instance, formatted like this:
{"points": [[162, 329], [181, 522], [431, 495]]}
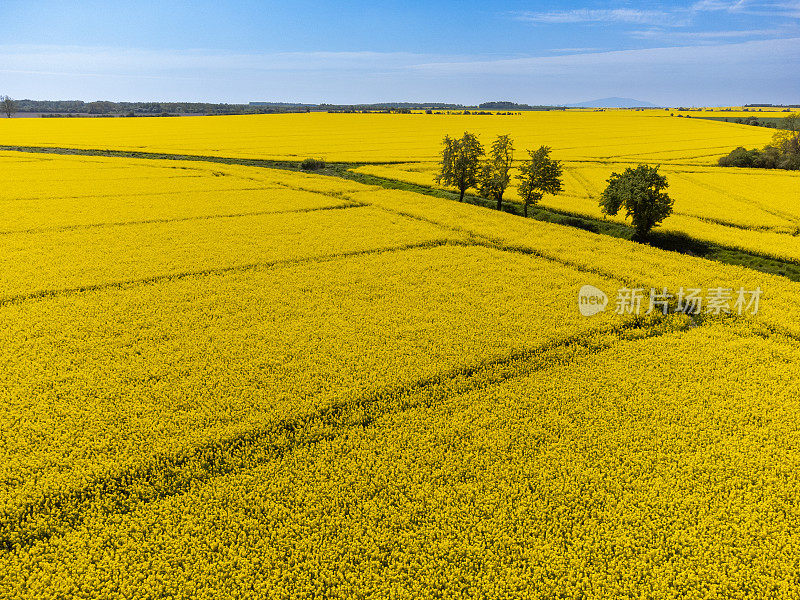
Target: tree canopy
{"points": [[460, 162], [640, 192], [495, 171], [539, 175], [782, 153], [8, 106]]}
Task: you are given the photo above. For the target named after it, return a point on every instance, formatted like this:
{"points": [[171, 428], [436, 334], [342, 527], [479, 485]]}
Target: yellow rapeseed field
{"points": [[224, 381], [746, 209], [750, 210], [574, 135], [755, 210]]}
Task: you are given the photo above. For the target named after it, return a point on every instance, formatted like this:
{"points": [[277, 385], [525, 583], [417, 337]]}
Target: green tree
{"points": [[460, 162], [495, 171], [787, 138], [783, 153], [103, 107], [539, 175], [8, 106], [640, 192]]}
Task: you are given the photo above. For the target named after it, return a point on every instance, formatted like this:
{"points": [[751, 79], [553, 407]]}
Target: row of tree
{"points": [[782, 153], [134, 109], [57, 108], [465, 164]]}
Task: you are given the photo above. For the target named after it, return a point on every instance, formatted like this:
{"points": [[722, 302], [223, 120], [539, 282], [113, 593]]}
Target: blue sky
{"points": [[706, 52]]}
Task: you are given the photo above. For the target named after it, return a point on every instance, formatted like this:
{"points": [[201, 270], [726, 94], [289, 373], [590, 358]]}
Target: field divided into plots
{"points": [[753, 210], [616, 136], [223, 381]]}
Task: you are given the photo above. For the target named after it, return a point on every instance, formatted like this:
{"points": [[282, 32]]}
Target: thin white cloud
{"points": [[585, 15], [674, 17], [718, 5], [718, 56], [573, 50], [723, 74], [782, 9], [133, 62], [658, 33], [89, 74]]}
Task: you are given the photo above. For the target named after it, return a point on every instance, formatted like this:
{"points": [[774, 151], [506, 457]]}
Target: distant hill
{"points": [[612, 103]]}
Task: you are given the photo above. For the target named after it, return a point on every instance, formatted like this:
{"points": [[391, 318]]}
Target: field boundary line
{"points": [[345, 205], [132, 283], [248, 162], [711, 187], [777, 230], [681, 244], [163, 476]]}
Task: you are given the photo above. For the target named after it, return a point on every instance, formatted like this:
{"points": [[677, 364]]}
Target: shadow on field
{"points": [[666, 240]]}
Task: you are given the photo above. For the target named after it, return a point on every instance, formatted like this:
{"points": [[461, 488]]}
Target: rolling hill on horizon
{"points": [[612, 103]]}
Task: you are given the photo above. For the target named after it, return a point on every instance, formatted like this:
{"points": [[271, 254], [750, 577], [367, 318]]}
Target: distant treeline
{"points": [[772, 106], [133, 109], [515, 106], [782, 153], [428, 107], [66, 108], [773, 122], [383, 106], [746, 108]]}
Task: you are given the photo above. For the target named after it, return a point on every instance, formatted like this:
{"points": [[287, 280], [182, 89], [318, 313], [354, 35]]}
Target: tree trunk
{"points": [[500, 202], [461, 197]]}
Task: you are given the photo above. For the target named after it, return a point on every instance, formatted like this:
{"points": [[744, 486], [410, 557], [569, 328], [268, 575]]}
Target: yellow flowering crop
{"points": [[749, 209], [41, 191], [585, 473], [574, 135], [233, 382]]}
